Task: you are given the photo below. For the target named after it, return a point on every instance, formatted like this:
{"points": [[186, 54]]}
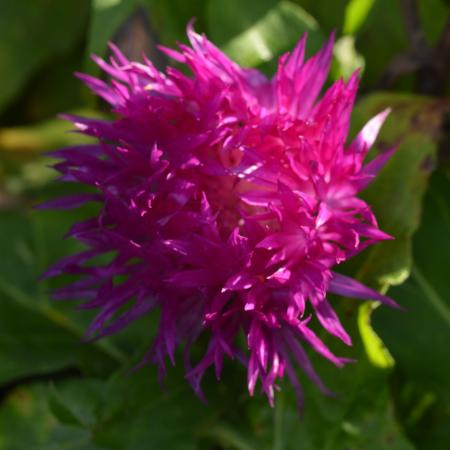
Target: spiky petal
{"points": [[227, 200]]}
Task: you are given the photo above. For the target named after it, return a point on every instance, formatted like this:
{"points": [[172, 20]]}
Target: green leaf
{"points": [[330, 16], [38, 337], [384, 23], [43, 136], [359, 416], [132, 411], [21, 165], [129, 411], [75, 402], [169, 18], [397, 193], [161, 21], [261, 31], [223, 22], [376, 351], [347, 59], [396, 197], [419, 340], [356, 13], [135, 412], [31, 33], [27, 422], [106, 18], [433, 14]]}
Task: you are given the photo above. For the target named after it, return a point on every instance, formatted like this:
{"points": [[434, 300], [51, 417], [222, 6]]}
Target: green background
{"points": [[60, 393]]}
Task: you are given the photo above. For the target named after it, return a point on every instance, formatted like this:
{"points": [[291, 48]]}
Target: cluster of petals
{"points": [[226, 199]]}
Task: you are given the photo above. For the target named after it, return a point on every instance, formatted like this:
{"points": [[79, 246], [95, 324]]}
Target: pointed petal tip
{"points": [[349, 287], [328, 392], [386, 111], [96, 59], [393, 304], [112, 46], [348, 361], [66, 116], [326, 51], [375, 166], [190, 30], [39, 206], [79, 75], [331, 38], [346, 339]]}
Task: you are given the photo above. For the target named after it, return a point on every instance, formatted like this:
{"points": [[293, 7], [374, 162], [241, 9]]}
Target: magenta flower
{"points": [[226, 201]]}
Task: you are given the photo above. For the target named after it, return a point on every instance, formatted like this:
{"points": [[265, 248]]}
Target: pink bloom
{"points": [[226, 201]]}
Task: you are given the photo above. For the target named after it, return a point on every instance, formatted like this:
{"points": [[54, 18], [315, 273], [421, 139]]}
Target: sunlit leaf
{"points": [[262, 30], [43, 136], [356, 13], [347, 58]]}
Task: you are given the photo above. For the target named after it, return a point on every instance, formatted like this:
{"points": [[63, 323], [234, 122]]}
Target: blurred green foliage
{"points": [[60, 393]]}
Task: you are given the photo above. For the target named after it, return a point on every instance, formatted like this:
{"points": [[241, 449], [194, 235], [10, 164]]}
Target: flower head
{"points": [[226, 201]]}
